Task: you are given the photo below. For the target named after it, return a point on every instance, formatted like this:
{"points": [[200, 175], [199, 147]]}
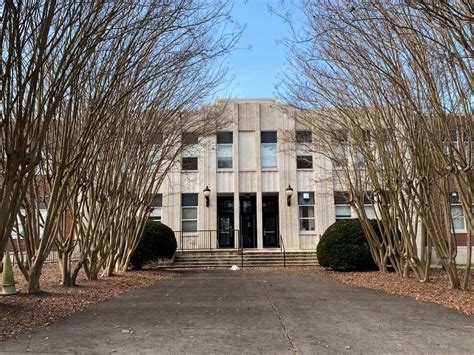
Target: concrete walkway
{"points": [[254, 312]]}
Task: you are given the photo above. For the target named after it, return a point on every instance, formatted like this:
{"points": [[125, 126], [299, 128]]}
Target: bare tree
{"points": [[45, 46], [381, 70], [116, 133]]}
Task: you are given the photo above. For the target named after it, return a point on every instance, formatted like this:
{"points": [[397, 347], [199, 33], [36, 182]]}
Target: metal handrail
{"points": [[241, 248], [203, 239], [282, 249]]}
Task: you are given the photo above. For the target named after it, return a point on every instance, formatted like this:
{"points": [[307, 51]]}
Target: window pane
{"points": [[370, 212], [341, 197], [268, 155], [302, 149], [304, 162], [305, 198], [458, 217], [189, 226], [189, 213], [156, 213], [303, 136], [306, 212], [190, 163], [224, 163], [224, 150], [190, 151], [306, 225], [190, 138], [359, 160], [343, 211], [268, 137], [224, 138], [224, 156], [189, 199], [157, 200]]}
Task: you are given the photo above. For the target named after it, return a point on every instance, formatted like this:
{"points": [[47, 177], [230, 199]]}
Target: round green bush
{"points": [[344, 247], [157, 242]]}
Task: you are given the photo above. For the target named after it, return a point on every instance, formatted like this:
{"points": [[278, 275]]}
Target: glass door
{"points": [[270, 222], [248, 226], [225, 222]]}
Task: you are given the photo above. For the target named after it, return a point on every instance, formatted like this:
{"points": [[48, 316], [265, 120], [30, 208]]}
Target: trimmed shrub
{"points": [[157, 242], [344, 247]]}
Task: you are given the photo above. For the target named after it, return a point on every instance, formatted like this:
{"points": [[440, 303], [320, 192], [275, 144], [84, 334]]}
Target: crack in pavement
{"points": [[278, 315]]}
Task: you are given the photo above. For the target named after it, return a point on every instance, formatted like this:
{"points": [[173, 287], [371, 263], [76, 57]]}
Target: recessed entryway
{"points": [[248, 221], [225, 222], [270, 221]]}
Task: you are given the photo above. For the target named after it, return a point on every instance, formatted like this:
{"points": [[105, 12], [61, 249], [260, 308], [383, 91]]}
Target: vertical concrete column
{"points": [[289, 227], [209, 178], [235, 166], [259, 215]]}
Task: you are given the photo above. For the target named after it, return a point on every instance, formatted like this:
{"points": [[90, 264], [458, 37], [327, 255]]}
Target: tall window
{"points": [[342, 208], [306, 211], [359, 158], [268, 150], [369, 205], [457, 213], [156, 204], [341, 148], [189, 159], [189, 203], [370, 211], [224, 150], [304, 158]]}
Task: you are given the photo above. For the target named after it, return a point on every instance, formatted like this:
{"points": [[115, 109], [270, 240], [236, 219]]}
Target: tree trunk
{"points": [[34, 280], [64, 265]]}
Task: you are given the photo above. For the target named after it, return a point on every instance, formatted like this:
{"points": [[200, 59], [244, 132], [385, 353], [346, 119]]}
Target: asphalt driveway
{"points": [[254, 312]]}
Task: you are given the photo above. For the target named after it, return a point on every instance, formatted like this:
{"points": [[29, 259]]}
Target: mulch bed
{"points": [[23, 312], [435, 291]]}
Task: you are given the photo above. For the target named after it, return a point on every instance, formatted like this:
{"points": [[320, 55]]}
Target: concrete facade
{"points": [[247, 177], [246, 120]]}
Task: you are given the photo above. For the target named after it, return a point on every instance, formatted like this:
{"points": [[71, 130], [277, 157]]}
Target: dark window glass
{"points": [[341, 197], [224, 138], [224, 163], [303, 136], [305, 198], [190, 163], [189, 199], [368, 197], [157, 200], [226, 205], [304, 162], [190, 138], [268, 137], [367, 135]]}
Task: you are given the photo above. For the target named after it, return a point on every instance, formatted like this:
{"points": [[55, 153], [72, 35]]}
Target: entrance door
{"points": [[248, 226], [270, 222], [225, 221]]}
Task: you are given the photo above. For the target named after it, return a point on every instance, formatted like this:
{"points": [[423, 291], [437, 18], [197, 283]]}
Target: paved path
{"points": [[254, 312]]}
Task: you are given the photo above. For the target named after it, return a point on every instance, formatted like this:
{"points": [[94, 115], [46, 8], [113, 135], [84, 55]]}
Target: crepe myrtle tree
{"points": [[45, 46], [115, 189], [114, 134], [398, 88]]}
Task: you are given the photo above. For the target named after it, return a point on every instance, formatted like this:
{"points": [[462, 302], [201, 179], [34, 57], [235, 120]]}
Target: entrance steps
{"points": [[251, 258]]}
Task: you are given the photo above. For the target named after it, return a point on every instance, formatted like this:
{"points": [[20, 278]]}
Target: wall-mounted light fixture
{"points": [[207, 193], [289, 193]]}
